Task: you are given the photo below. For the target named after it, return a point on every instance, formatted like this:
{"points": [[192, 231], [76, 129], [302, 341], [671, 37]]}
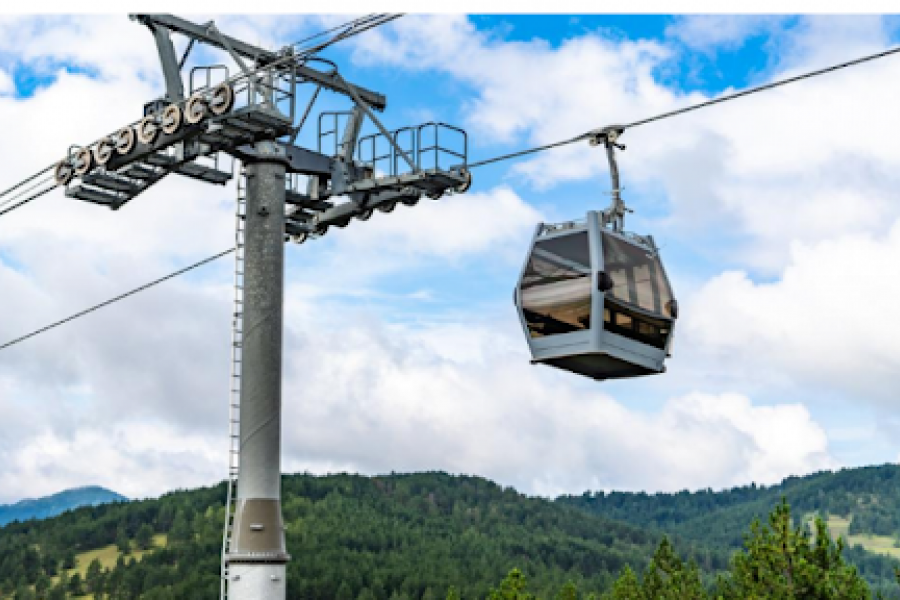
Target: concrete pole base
{"points": [[257, 581]]}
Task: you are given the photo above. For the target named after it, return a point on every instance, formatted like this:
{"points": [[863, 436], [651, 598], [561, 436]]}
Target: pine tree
{"points": [[144, 537], [344, 592], [94, 577], [122, 542], [626, 587], [42, 584], [76, 586], [780, 561], [568, 592], [513, 587]]}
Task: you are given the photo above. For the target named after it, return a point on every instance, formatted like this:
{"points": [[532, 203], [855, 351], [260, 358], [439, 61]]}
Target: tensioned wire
{"points": [[583, 136]]}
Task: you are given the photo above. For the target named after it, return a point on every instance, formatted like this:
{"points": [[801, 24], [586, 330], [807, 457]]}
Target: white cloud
{"points": [[364, 396], [826, 321], [7, 85], [134, 458], [710, 32], [401, 402], [510, 103], [772, 168], [468, 224]]}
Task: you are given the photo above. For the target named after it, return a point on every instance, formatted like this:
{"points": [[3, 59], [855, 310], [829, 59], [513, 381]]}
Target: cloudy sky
{"points": [[778, 215]]}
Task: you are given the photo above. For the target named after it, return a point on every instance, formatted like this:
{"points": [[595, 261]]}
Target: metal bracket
{"points": [[260, 55], [306, 112], [362, 104], [169, 61], [226, 44], [614, 215]]}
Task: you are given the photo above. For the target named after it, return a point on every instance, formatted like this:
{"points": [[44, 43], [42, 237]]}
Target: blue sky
{"points": [[402, 341]]}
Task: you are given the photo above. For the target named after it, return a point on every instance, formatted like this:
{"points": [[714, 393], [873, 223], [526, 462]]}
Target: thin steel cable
{"points": [[768, 86], [352, 23], [488, 161], [24, 181], [381, 20], [687, 109], [116, 299], [28, 190], [27, 200]]}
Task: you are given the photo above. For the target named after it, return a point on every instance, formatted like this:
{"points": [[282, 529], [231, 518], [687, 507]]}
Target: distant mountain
{"points": [[50, 506], [860, 504]]}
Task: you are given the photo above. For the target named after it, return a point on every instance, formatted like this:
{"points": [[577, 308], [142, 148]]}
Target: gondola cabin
{"points": [[596, 301]]}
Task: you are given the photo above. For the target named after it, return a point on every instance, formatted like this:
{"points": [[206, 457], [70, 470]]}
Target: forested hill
{"points": [[861, 504], [413, 537], [399, 536], [50, 506], [869, 497]]}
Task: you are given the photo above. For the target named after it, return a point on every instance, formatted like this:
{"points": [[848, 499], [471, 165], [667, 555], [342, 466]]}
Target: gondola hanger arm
{"points": [[614, 215]]}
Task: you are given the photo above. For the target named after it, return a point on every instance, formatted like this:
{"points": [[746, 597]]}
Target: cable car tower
{"points": [[252, 116]]}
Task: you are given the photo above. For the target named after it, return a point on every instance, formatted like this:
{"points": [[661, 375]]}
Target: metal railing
{"points": [[207, 71], [334, 133], [412, 140]]}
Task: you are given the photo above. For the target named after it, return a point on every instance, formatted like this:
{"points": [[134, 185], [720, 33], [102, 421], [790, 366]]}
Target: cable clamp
{"points": [[606, 136]]}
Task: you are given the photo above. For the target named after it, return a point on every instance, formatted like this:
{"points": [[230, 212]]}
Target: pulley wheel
{"points": [[195, 109], [410, 200], [147, 130], [222, 99], [84, 161], [171, 119], [103, 151], [124, 140], [343, 222], [387, 207], [365, 215], [63, 173], [300, 237], [465, 185], [321, 230]]}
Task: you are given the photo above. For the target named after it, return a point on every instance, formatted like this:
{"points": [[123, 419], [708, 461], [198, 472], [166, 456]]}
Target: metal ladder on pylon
{"points": [[234, 401]]}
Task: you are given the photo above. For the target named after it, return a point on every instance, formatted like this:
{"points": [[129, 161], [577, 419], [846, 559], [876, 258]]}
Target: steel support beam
{"points": [[257, 555], [169, 61], [260, 55]]}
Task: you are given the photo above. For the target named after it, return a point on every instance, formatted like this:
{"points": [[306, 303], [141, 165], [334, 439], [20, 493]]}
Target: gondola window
{"points": [[556, 286]]}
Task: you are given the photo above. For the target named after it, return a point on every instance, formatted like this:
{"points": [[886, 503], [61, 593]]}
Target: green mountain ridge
{"points": [[869, 497], [49, 506], [397, 536], [413, 536]]}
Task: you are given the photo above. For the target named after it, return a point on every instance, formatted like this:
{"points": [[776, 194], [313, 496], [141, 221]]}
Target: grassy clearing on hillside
{"points": [[838, 526], [108, 555]]}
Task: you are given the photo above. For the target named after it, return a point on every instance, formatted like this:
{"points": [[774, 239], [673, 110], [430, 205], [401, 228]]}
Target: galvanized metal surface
{"points": [[262, 339], [257, 551]]}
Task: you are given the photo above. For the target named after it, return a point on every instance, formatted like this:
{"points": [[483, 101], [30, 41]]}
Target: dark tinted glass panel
{"points": [[619, 319], [637, 276], [556, 289]]}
